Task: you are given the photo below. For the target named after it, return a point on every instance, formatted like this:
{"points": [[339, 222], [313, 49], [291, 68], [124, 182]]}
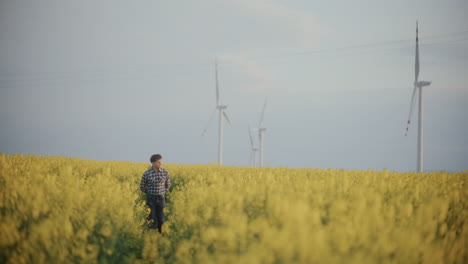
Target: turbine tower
{"points": [[261, 131], [418, 85], [253, 149]]}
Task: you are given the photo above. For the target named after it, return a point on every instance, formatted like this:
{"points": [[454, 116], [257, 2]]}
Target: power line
{"points": [[12, 80], [369, 45]]}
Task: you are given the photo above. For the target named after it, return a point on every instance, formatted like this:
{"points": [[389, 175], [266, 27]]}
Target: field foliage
{"points": [[69, 210]]}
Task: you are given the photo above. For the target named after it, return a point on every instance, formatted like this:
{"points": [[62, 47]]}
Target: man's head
{"points": [[156, 160]]}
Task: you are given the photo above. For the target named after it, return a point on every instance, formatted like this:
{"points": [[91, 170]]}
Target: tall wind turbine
{"points": [[253, 149], [261, 131], [418, 85], [221, 116]]}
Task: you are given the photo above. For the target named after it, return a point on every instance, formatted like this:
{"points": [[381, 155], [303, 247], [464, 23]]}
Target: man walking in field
{"points": [[155, 182]]}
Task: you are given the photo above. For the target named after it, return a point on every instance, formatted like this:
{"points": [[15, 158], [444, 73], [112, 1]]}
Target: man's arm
{"points": [[168, 182], [143, 184]]}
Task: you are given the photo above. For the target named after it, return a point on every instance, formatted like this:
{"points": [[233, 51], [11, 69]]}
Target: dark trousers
{"points": [[156, 204]]}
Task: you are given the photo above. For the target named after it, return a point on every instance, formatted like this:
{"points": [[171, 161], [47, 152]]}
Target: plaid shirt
{"points": [[155, 182]]}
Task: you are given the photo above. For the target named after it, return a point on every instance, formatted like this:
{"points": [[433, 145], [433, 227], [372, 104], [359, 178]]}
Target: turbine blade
{"points": [[207, 124], [412, 104], [416, 63], [216, 79], [263, 113], [227, 118], [251, 139]]}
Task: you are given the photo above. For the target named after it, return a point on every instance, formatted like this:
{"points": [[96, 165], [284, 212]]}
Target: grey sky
{"points": [[121, 80]]}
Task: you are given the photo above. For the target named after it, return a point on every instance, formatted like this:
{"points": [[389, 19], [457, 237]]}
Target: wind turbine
{"points": [[418, 85], [261, 131], [221, 115], [254, 149]]}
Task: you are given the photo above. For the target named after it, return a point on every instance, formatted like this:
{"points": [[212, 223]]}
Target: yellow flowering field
{"points": [[69, 210]]}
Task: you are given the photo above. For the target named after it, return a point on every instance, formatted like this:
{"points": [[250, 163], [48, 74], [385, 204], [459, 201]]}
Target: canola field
{"points": [[69, 210]]}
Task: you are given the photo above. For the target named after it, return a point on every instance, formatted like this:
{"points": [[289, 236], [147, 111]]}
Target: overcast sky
{"points": [[121, 80]]}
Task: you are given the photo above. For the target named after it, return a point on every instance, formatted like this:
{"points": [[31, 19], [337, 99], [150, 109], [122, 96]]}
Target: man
{"points": [[155, 182]]}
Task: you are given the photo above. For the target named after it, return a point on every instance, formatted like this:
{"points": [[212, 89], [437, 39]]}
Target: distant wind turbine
{"points": [[418, 85], [261, 131], [221, 115]]}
